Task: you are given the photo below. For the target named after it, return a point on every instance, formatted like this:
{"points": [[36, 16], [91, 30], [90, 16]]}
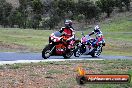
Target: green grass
{"points": [[116, 31], [53, 71], [120, 24], [33, 39], [15, 66]]}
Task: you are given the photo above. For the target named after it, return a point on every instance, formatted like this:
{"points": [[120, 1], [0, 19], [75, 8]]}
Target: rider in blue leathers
{"points": [[97, 33]]}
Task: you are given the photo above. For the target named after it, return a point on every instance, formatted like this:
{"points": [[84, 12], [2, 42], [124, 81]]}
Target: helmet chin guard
{"points": [[68, 23]]}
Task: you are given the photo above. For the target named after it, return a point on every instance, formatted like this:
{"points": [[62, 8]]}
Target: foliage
{"points": [[5, 10], [88, 9], [106, 6], [121, 3], [34, 13]]}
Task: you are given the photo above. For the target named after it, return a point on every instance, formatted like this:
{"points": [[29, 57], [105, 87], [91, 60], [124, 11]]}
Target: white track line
{"points": [[36, 61]]}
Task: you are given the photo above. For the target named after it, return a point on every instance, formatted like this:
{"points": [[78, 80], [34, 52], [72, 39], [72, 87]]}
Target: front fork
{"points": [[80, 49], [99, 50], [52, 48]]}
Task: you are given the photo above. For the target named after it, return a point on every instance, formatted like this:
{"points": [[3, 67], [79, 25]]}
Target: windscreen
{"points": [[57, 34]]}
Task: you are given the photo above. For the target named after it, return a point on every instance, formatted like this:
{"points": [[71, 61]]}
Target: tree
{"points": [[66, 8], [121, 3], [106, 6], [88, 9], [5, 10], [36, 20], [127, 4], [37, 7], [23, 11], [12, 19]]}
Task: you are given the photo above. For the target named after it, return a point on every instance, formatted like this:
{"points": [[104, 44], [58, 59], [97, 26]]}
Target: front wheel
{"points": [[99, 50], [77, 52], [46, 53], [96, 52]]}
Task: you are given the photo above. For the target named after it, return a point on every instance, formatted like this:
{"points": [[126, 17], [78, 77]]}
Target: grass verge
{"points": [[61, 74]]}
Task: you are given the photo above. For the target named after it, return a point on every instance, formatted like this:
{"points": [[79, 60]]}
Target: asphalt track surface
{"points": [[15, 57]]}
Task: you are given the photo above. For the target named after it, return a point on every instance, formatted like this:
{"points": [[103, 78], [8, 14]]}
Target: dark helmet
{"points": [[68, 23]]}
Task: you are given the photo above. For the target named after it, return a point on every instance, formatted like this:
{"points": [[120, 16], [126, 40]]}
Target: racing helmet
{"points": [[68, 23], [96, 28]]}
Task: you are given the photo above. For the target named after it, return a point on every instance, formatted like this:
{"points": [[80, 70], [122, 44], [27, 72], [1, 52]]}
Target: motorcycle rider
{"points": [[68, 31], [97, 32]]}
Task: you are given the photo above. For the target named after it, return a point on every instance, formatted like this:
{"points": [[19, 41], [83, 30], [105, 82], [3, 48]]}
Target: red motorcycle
{"points": [[59, 46]]}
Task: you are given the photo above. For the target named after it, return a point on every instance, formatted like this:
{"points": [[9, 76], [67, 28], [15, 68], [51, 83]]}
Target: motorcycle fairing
{"points": [[60, 49]]}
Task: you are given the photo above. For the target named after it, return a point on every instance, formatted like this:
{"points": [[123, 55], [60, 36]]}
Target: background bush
{"points": [[34, 13]]}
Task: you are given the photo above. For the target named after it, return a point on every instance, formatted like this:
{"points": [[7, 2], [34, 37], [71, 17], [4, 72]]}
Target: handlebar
{"points": [[82, 33]]}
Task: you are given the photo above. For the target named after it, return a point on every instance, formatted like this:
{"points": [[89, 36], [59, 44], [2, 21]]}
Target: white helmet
{"points": [[96, 28]]}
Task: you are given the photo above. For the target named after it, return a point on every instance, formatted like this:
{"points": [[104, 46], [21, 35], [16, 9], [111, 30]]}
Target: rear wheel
{"points": [[46, 53], [68, 54], [93, 53]]}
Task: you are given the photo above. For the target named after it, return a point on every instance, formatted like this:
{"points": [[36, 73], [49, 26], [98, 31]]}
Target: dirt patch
{"points": [[12, 46], [46, 76], [55, 74]]}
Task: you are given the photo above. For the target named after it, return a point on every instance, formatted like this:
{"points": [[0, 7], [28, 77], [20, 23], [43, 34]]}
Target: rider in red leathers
{"points": [[68, 31]]}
